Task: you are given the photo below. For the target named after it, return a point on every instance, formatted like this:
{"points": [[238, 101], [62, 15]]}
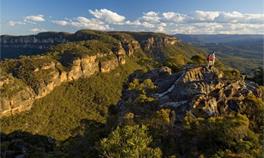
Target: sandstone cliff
{"points": [[70, 57], [23, 85], [14, 46]]}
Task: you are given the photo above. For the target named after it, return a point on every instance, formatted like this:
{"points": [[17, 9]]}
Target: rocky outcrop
{"points": [[194, 89], [16, 96], [108, 65], [153, 45], [120, 53], [85, 66], [130, 46], [154, 42], [203, 91]]}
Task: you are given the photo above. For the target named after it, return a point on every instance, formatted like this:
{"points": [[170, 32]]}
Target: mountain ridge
{"points": [[243, 52], [43, 41], [100, 52], [97, 97]]}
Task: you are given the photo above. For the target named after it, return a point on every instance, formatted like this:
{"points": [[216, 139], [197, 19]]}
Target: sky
{"points": [[21, 17]]}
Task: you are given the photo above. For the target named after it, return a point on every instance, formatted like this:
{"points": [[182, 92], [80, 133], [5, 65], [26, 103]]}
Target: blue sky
{"points": [[169, 16]]}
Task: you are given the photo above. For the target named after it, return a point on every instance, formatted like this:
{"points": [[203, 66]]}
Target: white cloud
{"points": [[34, 18], [160, 29], [169, 22], [36, 30], [174, 17], [83, 22], [107, 16], [14, 23], [254, 18], [60, 22], [199, 22], [237, 17], [151, 17], [205, 16]]}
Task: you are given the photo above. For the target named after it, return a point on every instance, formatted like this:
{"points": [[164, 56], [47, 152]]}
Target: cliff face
{"points": [[13, 46], [154, 45], [16, 96], [31, 78]]}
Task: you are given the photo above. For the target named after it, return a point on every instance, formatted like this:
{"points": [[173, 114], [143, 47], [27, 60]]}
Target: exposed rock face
{"points": [[13, 46], [121, 53], [52, 73], [17, 96], [202, 91], [154, 45], [85, 66], [154, 42], [127, 42], [195, 89], [131, 46], [107, 66]]}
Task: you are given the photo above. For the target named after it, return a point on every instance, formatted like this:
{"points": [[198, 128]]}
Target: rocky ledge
{"points": [[194, 89]]}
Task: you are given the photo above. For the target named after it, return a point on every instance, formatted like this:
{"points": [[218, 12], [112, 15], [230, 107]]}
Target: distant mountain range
{"points": [[219, 38], [244, 52]]}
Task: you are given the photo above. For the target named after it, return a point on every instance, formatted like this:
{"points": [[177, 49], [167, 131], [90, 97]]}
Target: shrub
{"points": [[198, 59], [129, 142], [253, 107], [230, 133], [147, 84], [259, 76], [232, 74]]}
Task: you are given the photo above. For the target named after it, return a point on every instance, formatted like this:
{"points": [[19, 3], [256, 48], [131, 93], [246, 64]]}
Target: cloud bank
{"points": [[197, 22], [34, 18]]}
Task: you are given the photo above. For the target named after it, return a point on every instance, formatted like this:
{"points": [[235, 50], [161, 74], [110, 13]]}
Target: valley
{"points": [[244, 52], [127, 94]]}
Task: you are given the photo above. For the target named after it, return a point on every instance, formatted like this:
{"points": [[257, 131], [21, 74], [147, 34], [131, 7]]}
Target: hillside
{"points": [[31, 78], [196, 112], [124, 94], [244, 52], [15, 46]]}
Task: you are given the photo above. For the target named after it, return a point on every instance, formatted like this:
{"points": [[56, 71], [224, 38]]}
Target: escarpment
{"points": [[14, 46], [67, 57], [35, 77]]}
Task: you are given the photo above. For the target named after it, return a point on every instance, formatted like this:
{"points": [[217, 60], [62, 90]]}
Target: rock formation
{"points": [[195, 89], [28, 81], [17, 96]]}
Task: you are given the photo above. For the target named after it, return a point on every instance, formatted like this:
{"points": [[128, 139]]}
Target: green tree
{"points": [[221, 137], [259, 76], [233, 74], [129, 142], [198, 59]]}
